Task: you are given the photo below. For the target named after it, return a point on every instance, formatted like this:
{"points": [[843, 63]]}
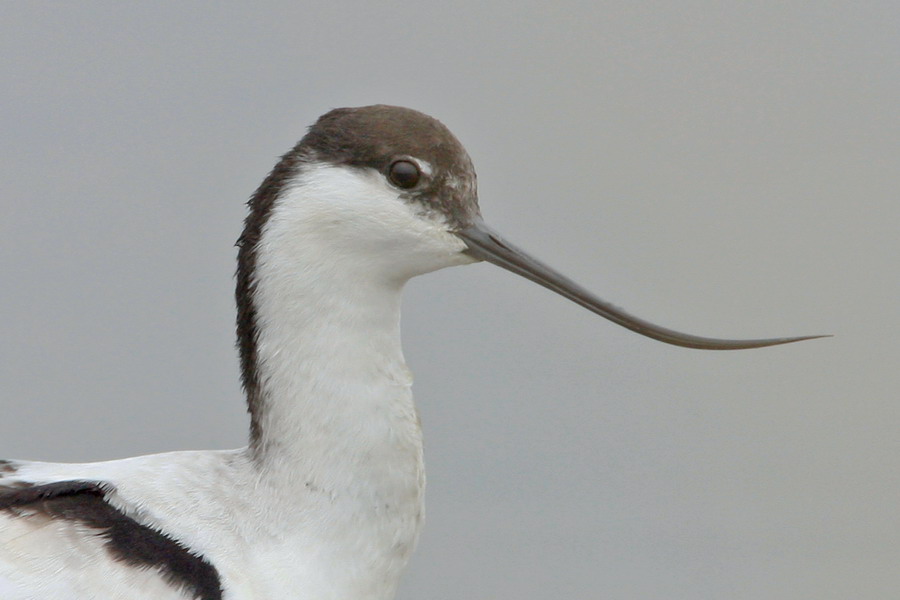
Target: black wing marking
{"points": [[126, 540]]}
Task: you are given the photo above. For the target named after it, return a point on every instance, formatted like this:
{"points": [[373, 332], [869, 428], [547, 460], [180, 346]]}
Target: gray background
{"points": [[720, 168]]}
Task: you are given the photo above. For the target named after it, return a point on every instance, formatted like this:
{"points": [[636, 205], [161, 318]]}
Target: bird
{"points": [[325, 501]]}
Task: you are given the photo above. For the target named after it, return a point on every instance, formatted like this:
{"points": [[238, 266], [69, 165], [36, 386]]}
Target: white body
{"points": [[329, 504]]}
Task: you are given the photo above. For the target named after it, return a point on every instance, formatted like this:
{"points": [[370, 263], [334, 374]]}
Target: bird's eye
{"points": [[404, 174]]}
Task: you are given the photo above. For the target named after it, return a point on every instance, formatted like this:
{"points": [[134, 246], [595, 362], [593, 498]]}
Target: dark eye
{"points": [[404, 174]]}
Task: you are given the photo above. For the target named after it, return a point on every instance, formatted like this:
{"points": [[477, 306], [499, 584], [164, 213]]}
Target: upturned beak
{"points": [[486, 244]]}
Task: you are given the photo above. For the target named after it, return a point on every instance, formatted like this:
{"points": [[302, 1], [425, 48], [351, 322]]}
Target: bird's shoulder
{"points": [[67, 532]]}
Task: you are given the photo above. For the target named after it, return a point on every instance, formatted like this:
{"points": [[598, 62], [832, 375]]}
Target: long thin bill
{"points": [[486, 244]]}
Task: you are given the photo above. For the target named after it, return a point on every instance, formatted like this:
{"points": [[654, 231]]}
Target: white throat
{"points": [[339, 433]]}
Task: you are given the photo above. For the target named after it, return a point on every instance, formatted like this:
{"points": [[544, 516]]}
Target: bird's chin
{"points": [[452, 259]]}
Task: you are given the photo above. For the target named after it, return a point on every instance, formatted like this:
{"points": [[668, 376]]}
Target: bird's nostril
{"points": [[499, 242]]}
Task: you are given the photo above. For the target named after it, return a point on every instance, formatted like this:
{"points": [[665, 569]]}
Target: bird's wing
{"points": [[65, 540]]}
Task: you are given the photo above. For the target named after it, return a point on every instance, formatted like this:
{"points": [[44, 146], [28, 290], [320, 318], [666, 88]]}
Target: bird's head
{"points": [[389, 193]]}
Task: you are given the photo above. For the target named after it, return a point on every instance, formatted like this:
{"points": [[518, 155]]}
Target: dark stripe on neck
{"points": [[126, 540], [261, 205]]}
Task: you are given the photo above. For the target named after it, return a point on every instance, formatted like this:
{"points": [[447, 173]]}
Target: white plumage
{"points": [[326, 501], [331, 507]]}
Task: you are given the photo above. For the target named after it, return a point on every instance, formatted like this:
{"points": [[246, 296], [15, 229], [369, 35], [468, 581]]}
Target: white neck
{"points": [[339, 438], [334, 383]]}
